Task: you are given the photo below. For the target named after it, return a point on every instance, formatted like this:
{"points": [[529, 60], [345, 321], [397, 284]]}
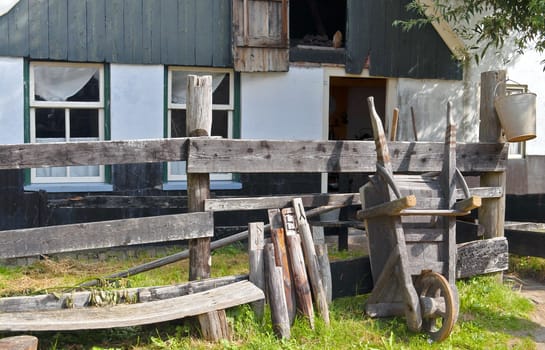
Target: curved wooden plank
{"points": [[126, 315]]}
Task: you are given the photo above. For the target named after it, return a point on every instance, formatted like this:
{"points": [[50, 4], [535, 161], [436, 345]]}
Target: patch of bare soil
{"points": [[535, 291]]}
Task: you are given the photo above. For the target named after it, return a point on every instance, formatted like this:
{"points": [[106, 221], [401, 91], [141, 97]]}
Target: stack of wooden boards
{"points": [[289, 266]]}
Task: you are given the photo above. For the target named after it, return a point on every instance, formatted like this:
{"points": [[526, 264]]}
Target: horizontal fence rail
{"points": [[261, 156], [105, 234], [34, 155], [213, 155]]}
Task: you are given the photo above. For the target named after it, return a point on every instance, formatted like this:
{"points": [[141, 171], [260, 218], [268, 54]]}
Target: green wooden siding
{"points": [[172, 32], [419, 53]]}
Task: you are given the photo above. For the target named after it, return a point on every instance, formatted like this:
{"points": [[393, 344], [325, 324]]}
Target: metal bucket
{"points": [[517, 113]]}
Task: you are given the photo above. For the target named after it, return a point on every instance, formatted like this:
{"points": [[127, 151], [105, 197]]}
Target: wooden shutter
{"points": [[260, 40]]}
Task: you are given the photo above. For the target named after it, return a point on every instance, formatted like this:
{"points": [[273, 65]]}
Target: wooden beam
{"points": [[43, 302], [482, 257], [316, 200], [213, 155], [115, 201], [33, 155], [389, 208], [266, 156], [127, 315], [492, 211], [468, 204], [104, 234], [19, 342]]}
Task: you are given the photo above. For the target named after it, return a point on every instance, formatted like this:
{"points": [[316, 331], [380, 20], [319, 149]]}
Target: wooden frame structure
{"points": [[206, 155]]}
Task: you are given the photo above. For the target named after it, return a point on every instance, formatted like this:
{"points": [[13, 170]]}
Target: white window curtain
{"points": [[179, 84], [55, 83]]}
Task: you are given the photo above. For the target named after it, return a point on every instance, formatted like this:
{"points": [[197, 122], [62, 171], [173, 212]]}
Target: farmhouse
{"points": [[299, 70]]}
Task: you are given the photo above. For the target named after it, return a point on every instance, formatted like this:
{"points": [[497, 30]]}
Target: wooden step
{"points": [[126, 315]]}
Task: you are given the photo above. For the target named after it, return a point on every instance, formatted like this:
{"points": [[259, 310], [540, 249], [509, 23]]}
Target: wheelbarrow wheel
{"points": [[440, 321]]}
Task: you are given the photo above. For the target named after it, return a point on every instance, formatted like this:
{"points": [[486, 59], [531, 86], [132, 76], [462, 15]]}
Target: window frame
{"points": [[229, 107], [75, 183]]}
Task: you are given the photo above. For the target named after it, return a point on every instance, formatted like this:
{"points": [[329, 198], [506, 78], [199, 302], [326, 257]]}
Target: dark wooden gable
{"points": [[177, 32], [390, 52]]}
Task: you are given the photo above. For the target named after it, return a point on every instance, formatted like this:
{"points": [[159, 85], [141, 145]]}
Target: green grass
{"points": [[491, 317], [527, 267]]}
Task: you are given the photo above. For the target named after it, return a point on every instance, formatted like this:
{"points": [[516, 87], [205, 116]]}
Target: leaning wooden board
{"points": [[126, 315]]}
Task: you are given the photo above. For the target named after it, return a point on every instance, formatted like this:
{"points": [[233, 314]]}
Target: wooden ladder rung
{"points": [[126, 315]]}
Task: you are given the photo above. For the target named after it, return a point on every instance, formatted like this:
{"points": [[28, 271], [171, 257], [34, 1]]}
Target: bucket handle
{"points": [[505, 82]]}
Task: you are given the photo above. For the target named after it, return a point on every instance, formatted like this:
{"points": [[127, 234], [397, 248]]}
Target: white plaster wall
{"points": [[11, 100], [429, 100], [136, 101], [282, 106]]}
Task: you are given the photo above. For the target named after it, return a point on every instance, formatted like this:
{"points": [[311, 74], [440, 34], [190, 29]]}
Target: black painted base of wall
{"points": [[526, 208]]}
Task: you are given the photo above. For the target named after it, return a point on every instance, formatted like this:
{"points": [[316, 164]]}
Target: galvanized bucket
{"points": [[517, 113]]}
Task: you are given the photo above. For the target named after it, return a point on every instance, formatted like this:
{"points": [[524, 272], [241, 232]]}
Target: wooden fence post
{"points": [[256, 243], [492, 210], [199, 123]]}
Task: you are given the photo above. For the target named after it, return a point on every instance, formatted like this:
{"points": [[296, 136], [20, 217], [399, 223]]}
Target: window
{"points": [[516, 149], [66, 105], [222, 111]]}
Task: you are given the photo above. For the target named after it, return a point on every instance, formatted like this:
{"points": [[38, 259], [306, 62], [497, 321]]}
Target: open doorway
{"points": [[349, 119]]}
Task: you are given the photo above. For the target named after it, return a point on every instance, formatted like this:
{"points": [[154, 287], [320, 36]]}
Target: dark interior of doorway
{"points": [[349, 119], [314, 22]]}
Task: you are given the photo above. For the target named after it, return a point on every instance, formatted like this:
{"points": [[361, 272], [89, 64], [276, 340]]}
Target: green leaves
{"points": [[487, 24]]}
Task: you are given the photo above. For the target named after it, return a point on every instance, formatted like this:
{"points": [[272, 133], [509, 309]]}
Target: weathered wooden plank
{"points": [[221, 33], [44, 302], [482, 257], [132, 31], [91, 153], [126, 315], [114, 29], [276, 295], [492, 212], [96, 30], [77, 31], [187, 31], [468, 204], [58, 29], [65, 238], [38, 36], [18, 29], [19, 342], [169, 28], [256, 244], [265, 156], [115, 201], [254, 203], [202, 33], [151, 33], [320, 199], [278, 238], [218, 155], [300, 279], [311, 260], [391, 208]]}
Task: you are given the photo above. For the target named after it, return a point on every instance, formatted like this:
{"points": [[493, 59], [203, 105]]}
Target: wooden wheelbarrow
{"points": [[410, 222]]}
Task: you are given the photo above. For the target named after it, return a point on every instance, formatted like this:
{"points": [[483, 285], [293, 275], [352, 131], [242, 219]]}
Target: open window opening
{"points": [[315, 22]]}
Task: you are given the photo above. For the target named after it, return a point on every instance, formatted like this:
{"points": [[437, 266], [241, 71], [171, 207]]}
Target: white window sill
{"points": [[214, 185], [70, 187]]}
